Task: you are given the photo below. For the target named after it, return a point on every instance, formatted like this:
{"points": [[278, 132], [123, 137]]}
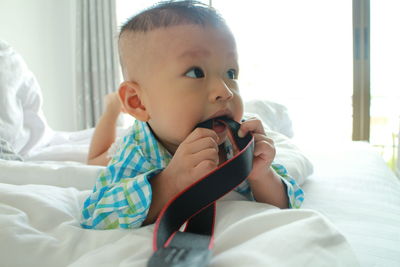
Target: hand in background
{"points": [[113, 103], [105, 133]]}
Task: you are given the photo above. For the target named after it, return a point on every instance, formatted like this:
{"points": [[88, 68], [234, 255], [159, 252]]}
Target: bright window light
{"points": [[298, 53], [385, 77]]}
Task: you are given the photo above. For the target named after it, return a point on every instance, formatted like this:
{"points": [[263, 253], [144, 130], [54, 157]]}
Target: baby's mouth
{"points": [[218, 126]]}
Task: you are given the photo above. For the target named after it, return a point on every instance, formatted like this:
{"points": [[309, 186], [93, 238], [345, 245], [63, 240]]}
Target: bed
{"points": [[350, 216]]}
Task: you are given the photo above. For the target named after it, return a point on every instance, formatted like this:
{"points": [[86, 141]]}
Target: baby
{"points": [[180, 68]]}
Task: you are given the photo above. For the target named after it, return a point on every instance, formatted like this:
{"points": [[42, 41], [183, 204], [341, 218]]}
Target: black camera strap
{"points": [[195, 206]]}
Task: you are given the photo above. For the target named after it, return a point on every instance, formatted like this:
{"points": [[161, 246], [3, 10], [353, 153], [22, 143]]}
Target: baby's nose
{"points": [[220, 92]]}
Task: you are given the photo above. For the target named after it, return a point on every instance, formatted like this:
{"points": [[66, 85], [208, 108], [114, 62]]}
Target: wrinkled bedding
{"points": [[350, 217], [39, 226]]}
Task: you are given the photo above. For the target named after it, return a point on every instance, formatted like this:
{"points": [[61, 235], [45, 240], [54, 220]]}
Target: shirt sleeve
{"points": [[294, 193], [122, 195]]}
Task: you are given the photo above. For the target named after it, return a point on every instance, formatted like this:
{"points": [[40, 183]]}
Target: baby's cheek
{"points": [[181, 132], [238, 110]]}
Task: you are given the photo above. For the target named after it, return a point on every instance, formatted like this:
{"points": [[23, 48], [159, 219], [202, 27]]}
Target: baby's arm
{"points": [[289, 155], [128, 197], [269, 182], [196, 156], [105, 132], [266, 185]]}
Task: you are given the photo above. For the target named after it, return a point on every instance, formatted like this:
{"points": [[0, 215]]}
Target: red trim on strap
{"points": [[211, 245]]}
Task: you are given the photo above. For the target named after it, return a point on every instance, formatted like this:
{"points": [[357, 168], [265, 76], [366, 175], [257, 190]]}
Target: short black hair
{"points": [[172, 13]]}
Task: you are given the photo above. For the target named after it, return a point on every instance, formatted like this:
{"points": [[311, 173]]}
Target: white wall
{"points": [[43, 32]]}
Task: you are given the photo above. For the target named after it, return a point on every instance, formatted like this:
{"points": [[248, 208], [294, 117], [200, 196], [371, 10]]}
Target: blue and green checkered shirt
{"points": [[122, 194]]}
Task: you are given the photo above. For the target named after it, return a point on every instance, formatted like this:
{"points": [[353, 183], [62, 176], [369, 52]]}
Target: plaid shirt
{"points": [[122, 194]]}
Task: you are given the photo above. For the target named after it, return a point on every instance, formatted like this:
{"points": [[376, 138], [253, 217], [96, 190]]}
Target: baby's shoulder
{"points": [[126, 140]]}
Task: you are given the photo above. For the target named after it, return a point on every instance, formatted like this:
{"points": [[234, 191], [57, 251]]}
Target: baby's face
{"points": [[190, 75]]}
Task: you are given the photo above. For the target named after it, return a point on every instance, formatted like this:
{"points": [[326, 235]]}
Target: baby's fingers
{"points": [[201, 144], [253, 125], [199, 133], [263, 137], [205, 161], [208, 154], [265, 150], [204, 168]]}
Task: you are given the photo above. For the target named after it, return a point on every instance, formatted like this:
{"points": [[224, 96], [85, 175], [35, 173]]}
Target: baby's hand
{"points": [[113, 103], [264, 149], [196, 156]]}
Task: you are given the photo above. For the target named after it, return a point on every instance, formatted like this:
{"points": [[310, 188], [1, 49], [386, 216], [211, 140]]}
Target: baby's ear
{"points": [[130, 95]]}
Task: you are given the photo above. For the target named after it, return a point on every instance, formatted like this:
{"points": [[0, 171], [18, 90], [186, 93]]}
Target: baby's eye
{"points": [[195, 72], [231, 74]]}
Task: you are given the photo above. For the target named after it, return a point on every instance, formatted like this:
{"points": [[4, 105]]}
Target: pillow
{"points": [[22, 123], [274, 115], [7, 152], [278, 125]]}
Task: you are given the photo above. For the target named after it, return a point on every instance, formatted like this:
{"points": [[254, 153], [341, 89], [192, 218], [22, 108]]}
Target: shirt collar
{"points": [[152, 149]]}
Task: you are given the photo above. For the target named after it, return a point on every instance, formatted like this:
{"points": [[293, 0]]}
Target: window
{"points": [[385, 76]]}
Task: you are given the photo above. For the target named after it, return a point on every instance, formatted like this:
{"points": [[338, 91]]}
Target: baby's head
{"points": [[180, 67]]}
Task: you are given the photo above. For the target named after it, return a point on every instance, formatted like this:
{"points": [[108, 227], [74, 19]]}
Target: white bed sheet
{"points": [[355, 189], [352, 188], [39, 227]]}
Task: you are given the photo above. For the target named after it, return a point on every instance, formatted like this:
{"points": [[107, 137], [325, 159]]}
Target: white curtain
{"points": [[398, 155], [97, 60]]}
